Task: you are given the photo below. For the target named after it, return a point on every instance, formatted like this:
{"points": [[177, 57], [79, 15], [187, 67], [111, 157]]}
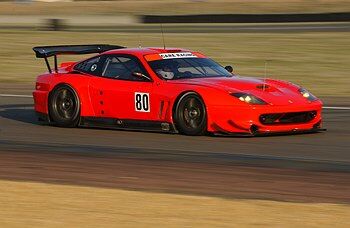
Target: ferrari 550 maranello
{"points": [[168, 90]]}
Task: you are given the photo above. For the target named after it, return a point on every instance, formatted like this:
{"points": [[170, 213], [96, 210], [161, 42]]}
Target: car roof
{"points": [[146, 51]]}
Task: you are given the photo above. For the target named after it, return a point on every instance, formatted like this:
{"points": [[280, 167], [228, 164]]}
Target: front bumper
{"points": [[246, 119]]}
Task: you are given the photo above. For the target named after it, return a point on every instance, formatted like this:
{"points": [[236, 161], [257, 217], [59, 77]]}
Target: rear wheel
{"points": [[190, 115], [64, 107]]}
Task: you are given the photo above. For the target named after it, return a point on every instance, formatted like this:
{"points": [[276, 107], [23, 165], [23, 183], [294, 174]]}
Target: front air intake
{"points": [[287, 118]]}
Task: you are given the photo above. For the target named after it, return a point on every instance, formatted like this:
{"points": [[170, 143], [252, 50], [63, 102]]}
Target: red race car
{"points": [[168, 90]]}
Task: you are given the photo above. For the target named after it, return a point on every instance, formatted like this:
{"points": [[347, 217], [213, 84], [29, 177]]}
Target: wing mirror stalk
{"points": [[141, 75]]}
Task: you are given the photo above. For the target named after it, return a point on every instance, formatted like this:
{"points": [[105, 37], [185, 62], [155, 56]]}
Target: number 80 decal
{"points": [[142, 102]]}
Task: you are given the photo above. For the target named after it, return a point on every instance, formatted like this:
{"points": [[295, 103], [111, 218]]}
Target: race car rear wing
{"points": [[49, 51]]}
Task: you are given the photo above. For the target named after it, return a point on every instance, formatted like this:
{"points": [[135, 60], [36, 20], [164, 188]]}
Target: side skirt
{"points": [[127, 124]]}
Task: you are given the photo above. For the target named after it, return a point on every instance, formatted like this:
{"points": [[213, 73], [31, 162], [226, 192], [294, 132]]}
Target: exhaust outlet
{"points": [[254, 129]]}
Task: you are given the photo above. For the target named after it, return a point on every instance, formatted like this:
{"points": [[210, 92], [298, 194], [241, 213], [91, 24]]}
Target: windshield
{"points": [[179, 68]]}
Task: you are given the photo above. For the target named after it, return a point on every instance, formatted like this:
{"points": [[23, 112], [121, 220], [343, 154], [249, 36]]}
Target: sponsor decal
{"points": [[177, 55], [93, 67]]}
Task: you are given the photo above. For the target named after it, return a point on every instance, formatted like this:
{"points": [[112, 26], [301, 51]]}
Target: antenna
{"points": [[140, 42], [161, 28], [265, 76]]}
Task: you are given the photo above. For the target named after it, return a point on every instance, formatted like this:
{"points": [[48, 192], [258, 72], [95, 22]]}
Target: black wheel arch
{"points": [[181, 96]]}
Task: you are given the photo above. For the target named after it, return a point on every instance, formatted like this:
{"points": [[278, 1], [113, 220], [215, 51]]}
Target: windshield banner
{"points": [[177, 55]]}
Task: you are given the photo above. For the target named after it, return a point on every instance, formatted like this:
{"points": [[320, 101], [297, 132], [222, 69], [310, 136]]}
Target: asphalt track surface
{"points": [[298, 168]]}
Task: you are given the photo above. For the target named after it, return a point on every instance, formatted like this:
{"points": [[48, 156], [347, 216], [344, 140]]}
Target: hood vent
{"points": [[266, 87], [263, 86]]}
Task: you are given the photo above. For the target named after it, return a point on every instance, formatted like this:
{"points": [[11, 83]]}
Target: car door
{"points": [[123, 90]]}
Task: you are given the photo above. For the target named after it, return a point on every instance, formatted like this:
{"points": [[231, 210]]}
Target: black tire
{"points": [[64, 107], [190, 115]]}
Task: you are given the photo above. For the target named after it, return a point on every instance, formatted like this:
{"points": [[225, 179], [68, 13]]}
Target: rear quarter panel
{"points": [[80, 83]]}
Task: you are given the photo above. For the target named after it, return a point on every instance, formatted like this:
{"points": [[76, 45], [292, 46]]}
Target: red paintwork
{"points": [[103, 97]]}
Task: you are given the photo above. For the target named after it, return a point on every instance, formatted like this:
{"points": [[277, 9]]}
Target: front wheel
{"points": [[64, 107], [190, 115]]}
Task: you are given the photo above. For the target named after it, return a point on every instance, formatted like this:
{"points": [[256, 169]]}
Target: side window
{"points": [[122, 67], [90, 66]]}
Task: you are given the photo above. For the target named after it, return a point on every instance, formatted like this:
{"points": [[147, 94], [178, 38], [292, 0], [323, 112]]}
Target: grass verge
{"points": [[173, 7], [318, 61], [47, 205]]}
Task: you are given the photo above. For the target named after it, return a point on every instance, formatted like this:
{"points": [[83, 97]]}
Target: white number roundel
{"points": [[142, 102]]}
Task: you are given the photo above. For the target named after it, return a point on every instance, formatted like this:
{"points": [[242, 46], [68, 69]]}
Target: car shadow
{"points": [[19, 112], [271, 135]]}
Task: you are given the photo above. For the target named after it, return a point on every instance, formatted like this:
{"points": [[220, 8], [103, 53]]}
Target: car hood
{"points": [[274, 92]]}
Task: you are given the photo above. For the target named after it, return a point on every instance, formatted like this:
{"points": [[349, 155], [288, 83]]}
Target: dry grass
{"points": [[318, 61], [174, 7], [47, 205]]}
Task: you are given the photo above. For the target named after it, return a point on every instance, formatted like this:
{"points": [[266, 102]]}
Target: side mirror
{"points": [[229, 69], [141, 75]]}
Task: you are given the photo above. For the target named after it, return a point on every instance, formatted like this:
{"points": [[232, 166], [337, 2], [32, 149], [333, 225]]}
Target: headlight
{"points": [[307, 94], [248, 98]]}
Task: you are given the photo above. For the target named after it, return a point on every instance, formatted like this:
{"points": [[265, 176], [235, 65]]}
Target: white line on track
{"points": [[15, 95], [30, 96], [336, 108]]}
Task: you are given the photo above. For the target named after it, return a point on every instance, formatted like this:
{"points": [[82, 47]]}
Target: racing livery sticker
{"points": [[93, 67], [177, 55], [142, 102]]}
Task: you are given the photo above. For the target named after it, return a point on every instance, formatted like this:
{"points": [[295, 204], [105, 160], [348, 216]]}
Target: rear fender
{"points": [[80, 84]]}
